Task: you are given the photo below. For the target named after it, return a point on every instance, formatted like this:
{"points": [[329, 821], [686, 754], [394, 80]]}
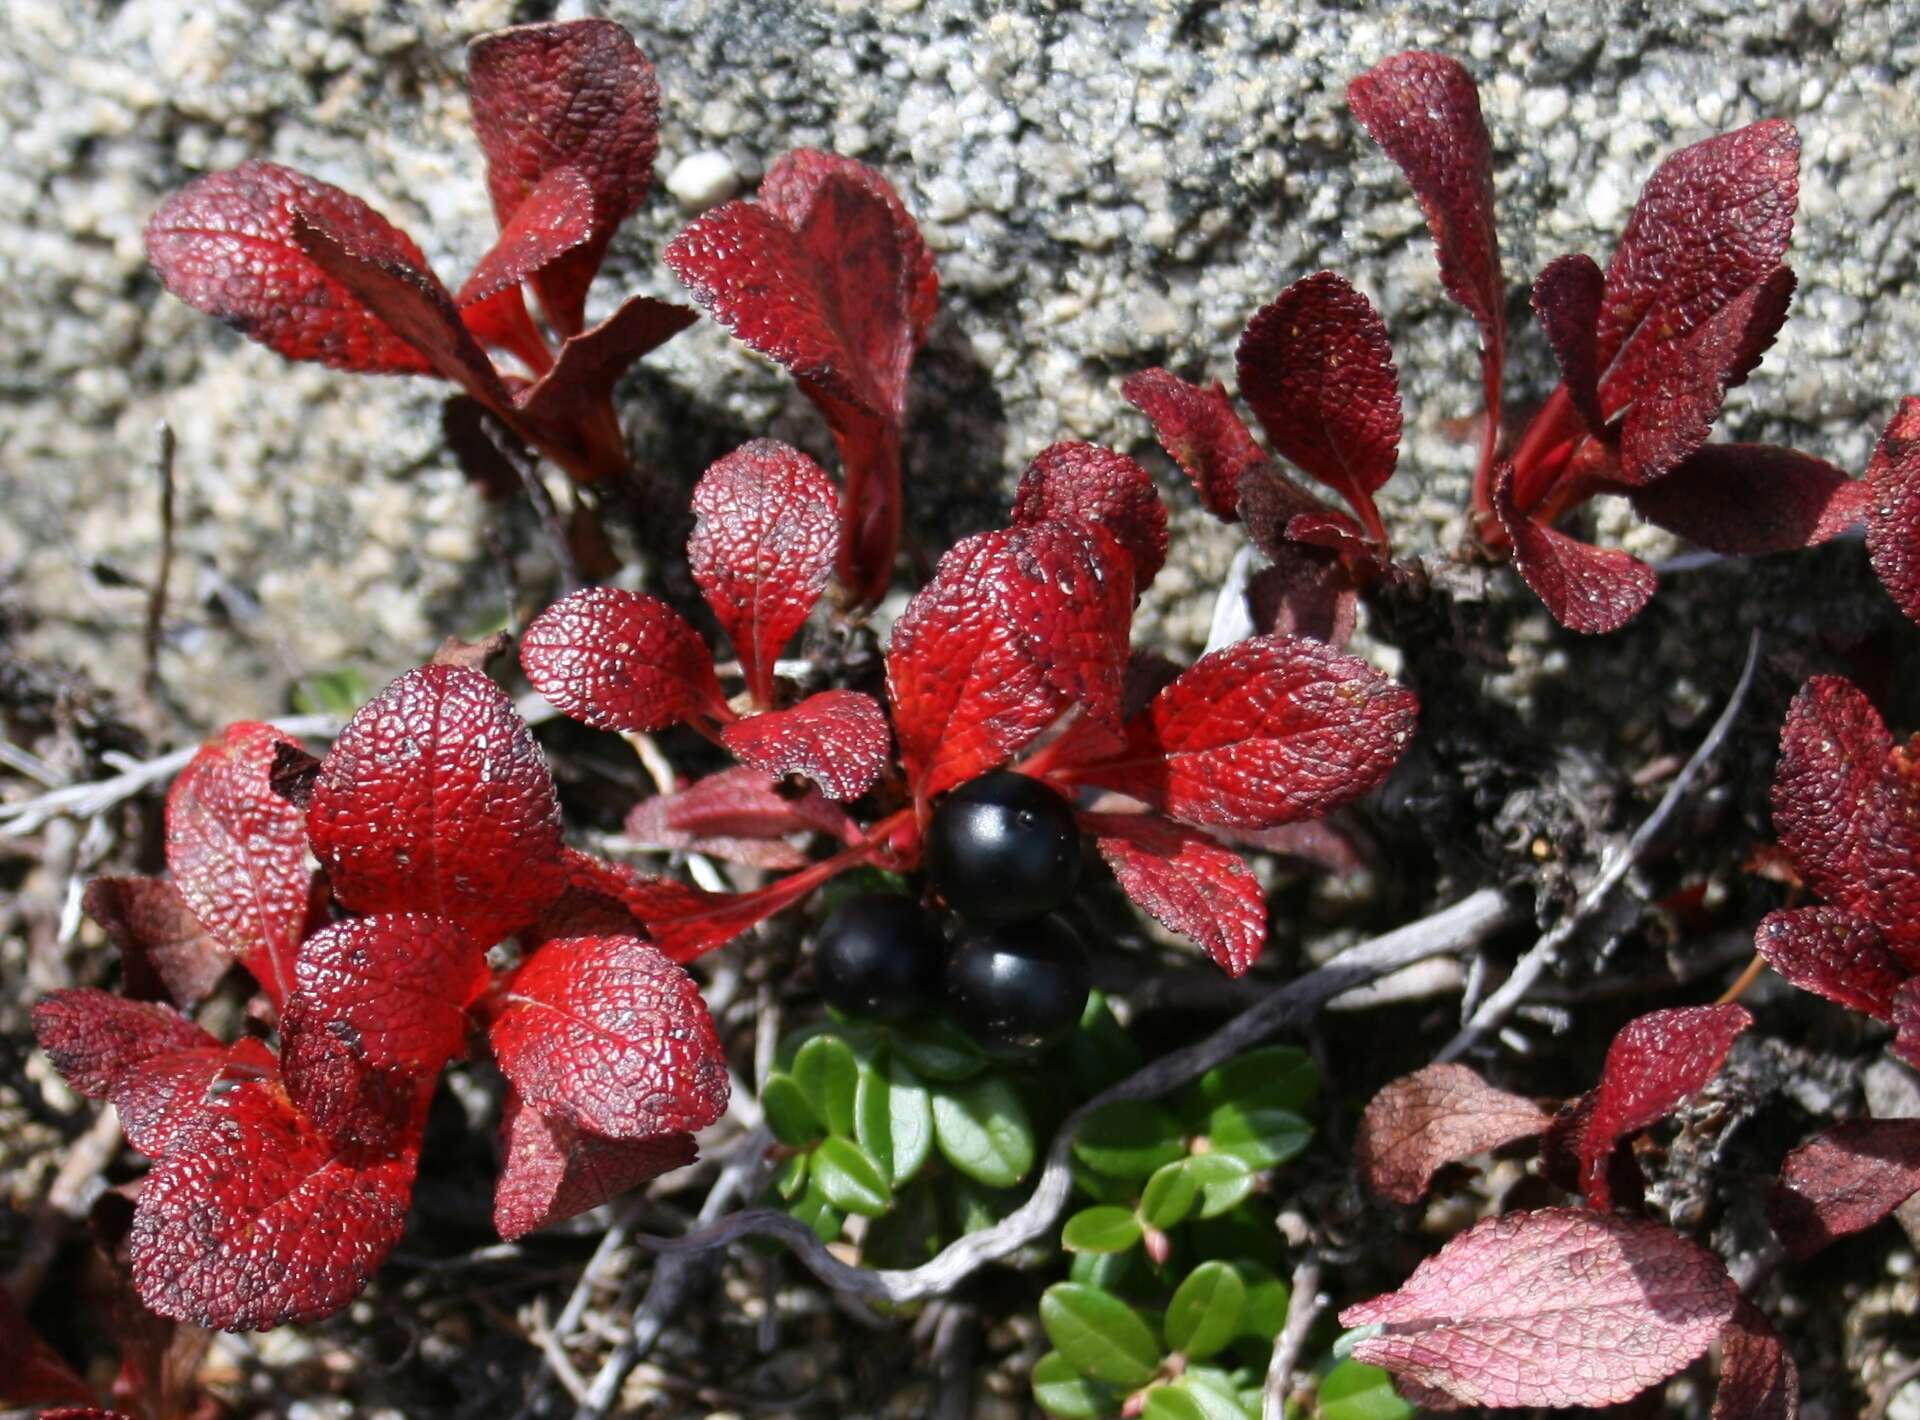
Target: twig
{"points": [[555, 1355], [1450, 930], [1304, 1305], [157, 594], [528, 467], [1545, 952], [1890, 1391], [68, 1197]]}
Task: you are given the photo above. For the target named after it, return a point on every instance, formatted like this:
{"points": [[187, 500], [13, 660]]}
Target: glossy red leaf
{"points": [[160, 1097], [252, 1220], [1714, 220], [620, 660], [1424, 111], [1844, 1180], [94, 1037], [1264, 732], [836, 738], [1559, 1307], [238, 852], [1893, 516], [1834, 954], [1422, 1122], [1566, 297], [552, 1170], [436, 799], [739, 815], [765, 532], [1317, 370], [1200, 431], [608, 1034], [682, 920], [576, 95], [1749, 499], [1187, 883], [1846, 804], [165, 954], [556, 217], [1758, 1380], [1015, 629], [1096, 485], [1587, 589]]}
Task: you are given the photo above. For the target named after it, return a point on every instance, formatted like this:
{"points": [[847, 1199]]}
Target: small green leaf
{"points": [[1259, 1138], [829, 1076], [1108, 1271], [1101, 1229], [1224, 1181], [1351, 1391], [983, 1131], [1169, 1195], [1219, 1398], [909, 1120], [1129, 1139], [1275, 1077], [939, 1050], [1172, 1402], [791, 1181], [1061, 1390], [850, 1178], [1204, 1314], [1101, 1336], [872, 1119], [972, 1206], [815, 1210], [789, 1116], [1267, 1296], [1099, 1052]]}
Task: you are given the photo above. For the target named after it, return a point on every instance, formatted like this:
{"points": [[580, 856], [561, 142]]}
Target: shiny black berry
{"points": [[1003, 847], [878, 958], [1020, 985]]}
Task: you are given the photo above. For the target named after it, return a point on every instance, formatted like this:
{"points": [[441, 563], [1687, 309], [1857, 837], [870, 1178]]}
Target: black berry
{"points": [[878, 957], [1020, 985], [1004, 847]]}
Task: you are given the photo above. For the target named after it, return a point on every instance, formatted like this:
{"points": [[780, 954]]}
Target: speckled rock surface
{"points": [[1103, 191]]}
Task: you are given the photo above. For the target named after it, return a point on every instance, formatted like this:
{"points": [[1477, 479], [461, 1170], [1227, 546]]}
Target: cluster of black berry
{"points": [[1003, 854]]}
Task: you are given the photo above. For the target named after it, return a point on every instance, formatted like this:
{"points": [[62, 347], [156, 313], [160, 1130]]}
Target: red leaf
{"points": [[1563, 1306], [1714, 220], [1833, 954], [1758, 1380], [1272, 503], [766, 526], [1187, 883], [1434, 1117], [621, 660], [1200, 431], [1424, 111], [837, 738], [1307, 592], [238, 852], [224, 245], [556, 217], [1749, 499], [1893, 516], [682, 920], [1566, 297], [253, 1221], [608, 1034], [1655, 1061], [1264, 732], [1317, 370], [1906, 1023], [1096, 485], [739, 815], [1843, 1181], [435, 798], [1846, 803], [1588, 589], [164, 951], [1015, 629], [565, 95], [163, 1096], [551, 1170], [94, 1037]]}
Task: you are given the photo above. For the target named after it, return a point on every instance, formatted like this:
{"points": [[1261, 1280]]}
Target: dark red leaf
{"points": [[1844, 1180], [837, 738], [1906, 1023], [1758, 1380], [1199, 430], [436, 799], [577, 95], [1588, 589], [1846, 803], [1015, 629], [1559, 1307], [161, 1097], [765, 531], [94, 1037], [621, 660], [552, 1170], [164, 951], [1441, 1115], [1187, 883], [1096, 485], [1317, 370], [1566, 297], [33, 1373], [224, 244], [1264, 732], [238, 852], [1893, 516], [1833, 954], [608, 1034], [1307, 592], [556, 217], [1424, 111], [682, 920], [1748, 499], [1714, 220], [739, 815], [1271, 503], [1655, 1061], [253, 1221]]}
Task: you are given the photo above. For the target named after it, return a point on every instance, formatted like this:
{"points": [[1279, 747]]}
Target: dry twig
{"points": [[1304, 1304]]}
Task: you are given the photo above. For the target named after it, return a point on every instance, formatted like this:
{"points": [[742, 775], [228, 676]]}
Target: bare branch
{"points": [[1304, 1305]]}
